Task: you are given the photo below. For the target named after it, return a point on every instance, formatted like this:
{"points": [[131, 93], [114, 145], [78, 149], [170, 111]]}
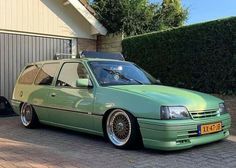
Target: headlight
{"points": [[174, 113], [222, 108]]}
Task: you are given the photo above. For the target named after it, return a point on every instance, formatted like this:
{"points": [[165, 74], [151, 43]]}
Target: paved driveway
{"points": [[51, 147]]}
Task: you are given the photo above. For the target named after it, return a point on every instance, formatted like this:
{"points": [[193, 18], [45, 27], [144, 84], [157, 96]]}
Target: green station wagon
{"points": [[120, 101]]}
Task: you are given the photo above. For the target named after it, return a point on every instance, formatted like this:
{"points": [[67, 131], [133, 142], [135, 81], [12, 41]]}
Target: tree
{"points": [[110, 14], [138, 15], [134, 17], [170, 14]]}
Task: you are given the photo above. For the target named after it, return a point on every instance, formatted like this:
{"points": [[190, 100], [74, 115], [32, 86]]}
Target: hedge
{"points": [[200, 57]]}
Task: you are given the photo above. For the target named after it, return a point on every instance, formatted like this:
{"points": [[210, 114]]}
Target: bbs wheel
{"points": [[28, 116], [122, 129]]}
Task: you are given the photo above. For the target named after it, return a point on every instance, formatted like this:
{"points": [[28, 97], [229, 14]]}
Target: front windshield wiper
{"points": [[121, 75]]}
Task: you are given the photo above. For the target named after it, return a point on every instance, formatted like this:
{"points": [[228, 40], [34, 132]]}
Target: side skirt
{"points": [[72, 128]]}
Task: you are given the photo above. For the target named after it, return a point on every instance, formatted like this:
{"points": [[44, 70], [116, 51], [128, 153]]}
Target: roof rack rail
{"points": [[58, 56], [90, 54], [102, 55]]}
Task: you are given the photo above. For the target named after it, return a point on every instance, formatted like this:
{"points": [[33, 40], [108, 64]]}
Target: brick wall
{"points": [[109, 43], [87, 44]]}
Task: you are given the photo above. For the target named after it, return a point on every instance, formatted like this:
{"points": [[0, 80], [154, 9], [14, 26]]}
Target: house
{"points": [[35, 30]]}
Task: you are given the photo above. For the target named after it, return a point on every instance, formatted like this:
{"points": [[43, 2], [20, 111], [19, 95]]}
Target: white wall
{"points": [[48, 17]]}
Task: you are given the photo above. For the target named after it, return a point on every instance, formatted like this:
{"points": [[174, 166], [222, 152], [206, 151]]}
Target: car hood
{"points": [[171, 96]]}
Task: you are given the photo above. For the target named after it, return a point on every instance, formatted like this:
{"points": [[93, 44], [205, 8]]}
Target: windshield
{"points": [[120, 73]]}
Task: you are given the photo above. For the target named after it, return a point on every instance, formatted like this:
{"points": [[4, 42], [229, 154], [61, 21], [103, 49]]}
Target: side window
{"points": [[46, 74], [29, 74], [70, 72]]}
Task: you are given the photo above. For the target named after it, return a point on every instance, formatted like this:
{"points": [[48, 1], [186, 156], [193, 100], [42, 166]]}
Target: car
{"points": [[117, 99]]}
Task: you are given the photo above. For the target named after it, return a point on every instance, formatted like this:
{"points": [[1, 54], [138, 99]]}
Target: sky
{"points": [[206, 10]]}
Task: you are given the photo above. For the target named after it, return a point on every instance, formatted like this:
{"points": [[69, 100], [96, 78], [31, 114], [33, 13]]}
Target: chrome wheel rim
{"points": [[118, 127], [26, 114]]}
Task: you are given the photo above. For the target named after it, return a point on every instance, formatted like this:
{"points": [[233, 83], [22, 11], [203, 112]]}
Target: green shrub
{"points": [[200, 57]]}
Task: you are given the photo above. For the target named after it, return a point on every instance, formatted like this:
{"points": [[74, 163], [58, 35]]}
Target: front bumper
{"points": [[180, 134]]}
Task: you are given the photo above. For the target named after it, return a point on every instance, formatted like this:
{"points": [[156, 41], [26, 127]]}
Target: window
{"points": [[29, 74], [120, 73], [46, 74], [71, 72]]}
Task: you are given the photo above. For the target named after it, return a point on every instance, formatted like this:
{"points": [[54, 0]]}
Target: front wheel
{"points": [[122, 129], [28, 116]]}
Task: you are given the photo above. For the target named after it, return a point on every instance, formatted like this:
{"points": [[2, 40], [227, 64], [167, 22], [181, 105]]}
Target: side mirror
{"points": [[83, 83]]}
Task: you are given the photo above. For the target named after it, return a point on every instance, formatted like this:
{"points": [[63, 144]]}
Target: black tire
{"points": [[28, 116], [122, 130]]}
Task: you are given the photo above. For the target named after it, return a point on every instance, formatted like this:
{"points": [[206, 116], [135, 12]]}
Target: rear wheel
{"points": [[28, 116], [122, 129]]}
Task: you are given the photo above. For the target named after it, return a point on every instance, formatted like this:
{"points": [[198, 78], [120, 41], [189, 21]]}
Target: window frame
{"points": [[18, 80], [55, 74], [68, 87]]}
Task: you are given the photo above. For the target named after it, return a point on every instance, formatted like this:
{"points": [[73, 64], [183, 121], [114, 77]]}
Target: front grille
{"points": [[204, 114]]}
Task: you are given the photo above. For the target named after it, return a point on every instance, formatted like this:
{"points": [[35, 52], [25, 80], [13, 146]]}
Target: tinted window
{"points": [[29, 74], [46, 74], [70, 72]]}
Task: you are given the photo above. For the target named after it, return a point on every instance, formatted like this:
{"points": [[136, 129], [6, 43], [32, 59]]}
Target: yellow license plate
{"points": [[210, 128]]}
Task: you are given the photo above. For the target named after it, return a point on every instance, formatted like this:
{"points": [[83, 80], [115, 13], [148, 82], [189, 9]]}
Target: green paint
{"points": [[82, 108]]}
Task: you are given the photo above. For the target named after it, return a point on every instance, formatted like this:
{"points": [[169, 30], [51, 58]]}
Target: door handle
{"points": [[53, 94]]}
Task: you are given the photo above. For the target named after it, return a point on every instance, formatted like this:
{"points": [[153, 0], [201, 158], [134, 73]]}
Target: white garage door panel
{"points": [[18, 50]]}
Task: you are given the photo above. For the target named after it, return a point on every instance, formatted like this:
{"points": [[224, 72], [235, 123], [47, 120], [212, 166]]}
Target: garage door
{"points": [[18, 50]]}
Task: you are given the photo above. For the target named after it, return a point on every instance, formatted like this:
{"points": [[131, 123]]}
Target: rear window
{"points": [[29, 74], [46, 74]]}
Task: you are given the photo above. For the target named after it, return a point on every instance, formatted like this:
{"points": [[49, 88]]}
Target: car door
{"points": [[73, 105], [41, 88]]}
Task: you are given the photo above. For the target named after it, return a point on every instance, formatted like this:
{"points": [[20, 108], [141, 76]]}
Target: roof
{"points": [[88, 7], [89, 14], [73, 60]]}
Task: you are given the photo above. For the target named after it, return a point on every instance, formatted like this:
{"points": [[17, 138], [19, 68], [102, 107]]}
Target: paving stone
{"points": [[49, 147]]}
